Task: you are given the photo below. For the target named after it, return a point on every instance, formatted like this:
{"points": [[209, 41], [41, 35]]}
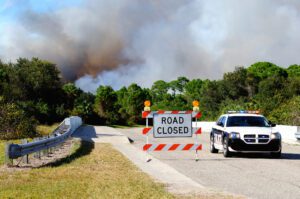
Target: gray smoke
{"points": [[119, 42]]}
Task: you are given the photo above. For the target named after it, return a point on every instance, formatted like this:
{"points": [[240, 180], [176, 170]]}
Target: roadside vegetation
{"points": [[46, 129], [40, 129], [33, 92], [91, 171], [2, 152]]}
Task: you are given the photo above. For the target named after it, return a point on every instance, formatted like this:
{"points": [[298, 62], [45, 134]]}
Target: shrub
{"points": [[287, 113], [14, 124]]}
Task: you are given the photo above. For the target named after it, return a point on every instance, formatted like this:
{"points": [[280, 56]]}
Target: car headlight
{"points": [[275, 135], [234, 135]]}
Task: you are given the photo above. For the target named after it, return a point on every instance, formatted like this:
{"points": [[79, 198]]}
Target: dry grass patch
{"points": [[2, 151], [46, 129], [91, 171]]}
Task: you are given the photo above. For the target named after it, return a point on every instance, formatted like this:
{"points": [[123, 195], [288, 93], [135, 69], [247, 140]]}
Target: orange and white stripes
{"points": [[149, 114], [146, 131], [172, 147]]}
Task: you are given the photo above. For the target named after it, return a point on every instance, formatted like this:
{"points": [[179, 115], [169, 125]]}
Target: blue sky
{"points": [[9, 9]]}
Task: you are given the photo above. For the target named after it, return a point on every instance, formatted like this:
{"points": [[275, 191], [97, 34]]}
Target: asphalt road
{"points": [[251, 175]]}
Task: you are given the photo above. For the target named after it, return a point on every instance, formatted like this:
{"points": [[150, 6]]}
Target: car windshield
{"points": [[247, 121]]}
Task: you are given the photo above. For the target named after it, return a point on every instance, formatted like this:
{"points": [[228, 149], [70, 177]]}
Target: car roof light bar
{"points": [[244, 111]]}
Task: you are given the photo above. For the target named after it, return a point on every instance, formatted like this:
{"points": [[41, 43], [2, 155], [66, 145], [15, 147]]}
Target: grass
{"points": [[2, 151], [91, 171], [46, 129]]}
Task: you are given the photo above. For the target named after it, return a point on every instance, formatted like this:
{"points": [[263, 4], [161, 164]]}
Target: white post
{"points": [[147, 142], [196, 142]]}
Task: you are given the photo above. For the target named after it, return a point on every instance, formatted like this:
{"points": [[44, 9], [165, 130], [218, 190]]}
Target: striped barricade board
{"points": [[171, 124], [150, 130], [149, 114], [172, 147]]}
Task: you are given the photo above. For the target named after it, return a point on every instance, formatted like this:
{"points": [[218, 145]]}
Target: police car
{"points": [[245, 131]]}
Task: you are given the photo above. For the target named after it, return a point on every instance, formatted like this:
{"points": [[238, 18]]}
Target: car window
{"points": [[220, 122], [223, 121], [247, 121]]}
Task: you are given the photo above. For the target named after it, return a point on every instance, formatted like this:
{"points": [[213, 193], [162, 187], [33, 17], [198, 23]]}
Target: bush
{"points": [[14, 124], [287, 113], [237, 105]]}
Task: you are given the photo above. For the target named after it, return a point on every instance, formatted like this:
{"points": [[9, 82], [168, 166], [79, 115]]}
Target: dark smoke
{"points": [[118, 42]]}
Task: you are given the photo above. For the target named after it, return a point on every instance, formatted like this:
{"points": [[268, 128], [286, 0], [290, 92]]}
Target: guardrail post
{"points": [[50, 148], [43, 150], [26, 157], [42, 145], [36, 154], [39, 152], [8, 161]]}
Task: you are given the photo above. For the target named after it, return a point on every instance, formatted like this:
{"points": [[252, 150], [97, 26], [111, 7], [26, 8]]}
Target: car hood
{"points": [[251, 130]]}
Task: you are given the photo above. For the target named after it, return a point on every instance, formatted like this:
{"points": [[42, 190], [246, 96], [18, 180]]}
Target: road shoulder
{"points": [[176, 182]]}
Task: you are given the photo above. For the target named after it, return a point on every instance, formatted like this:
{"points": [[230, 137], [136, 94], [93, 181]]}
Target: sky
{"points": [[119, 42]]}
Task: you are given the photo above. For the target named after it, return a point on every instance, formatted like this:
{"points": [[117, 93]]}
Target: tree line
{"points": [[33, 92]]}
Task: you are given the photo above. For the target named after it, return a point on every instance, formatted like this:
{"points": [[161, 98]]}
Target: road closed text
{"points": [[172, 130], [172, 125]]}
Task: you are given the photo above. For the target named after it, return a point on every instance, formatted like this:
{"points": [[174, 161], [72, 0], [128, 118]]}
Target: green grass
{"points": [[2, 151], [91, 171], [46, 129]]}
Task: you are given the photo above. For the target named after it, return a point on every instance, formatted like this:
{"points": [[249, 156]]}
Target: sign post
{"points": [[171, 124], [147, 109], [196, 108]]}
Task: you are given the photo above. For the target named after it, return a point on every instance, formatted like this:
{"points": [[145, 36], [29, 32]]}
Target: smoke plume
{"points": [[119, 42]]}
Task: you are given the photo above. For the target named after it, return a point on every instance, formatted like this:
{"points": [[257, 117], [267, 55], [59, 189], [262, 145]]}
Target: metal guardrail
{"points": [[58, 136]]}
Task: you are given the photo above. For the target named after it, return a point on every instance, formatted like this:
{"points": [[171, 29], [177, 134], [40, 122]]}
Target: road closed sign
{"points": [[172, 125]]}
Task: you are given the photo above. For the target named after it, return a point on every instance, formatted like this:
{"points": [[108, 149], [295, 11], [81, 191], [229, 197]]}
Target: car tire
{"points": [[276, 154], [226, 151], [212, 147]]}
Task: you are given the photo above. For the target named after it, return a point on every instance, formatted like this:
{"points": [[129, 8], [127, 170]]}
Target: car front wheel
{"points": [[212, 146], [226, 151]]}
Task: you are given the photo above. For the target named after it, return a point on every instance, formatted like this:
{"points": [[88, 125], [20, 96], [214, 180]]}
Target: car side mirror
{"points": [[271, 124], [220, 124]]}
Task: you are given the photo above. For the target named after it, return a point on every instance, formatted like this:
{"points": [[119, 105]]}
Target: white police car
{"points": [[244, 131]]}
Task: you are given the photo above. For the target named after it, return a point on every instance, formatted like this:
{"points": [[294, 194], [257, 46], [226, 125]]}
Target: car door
{"points": [[218, 130]]}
